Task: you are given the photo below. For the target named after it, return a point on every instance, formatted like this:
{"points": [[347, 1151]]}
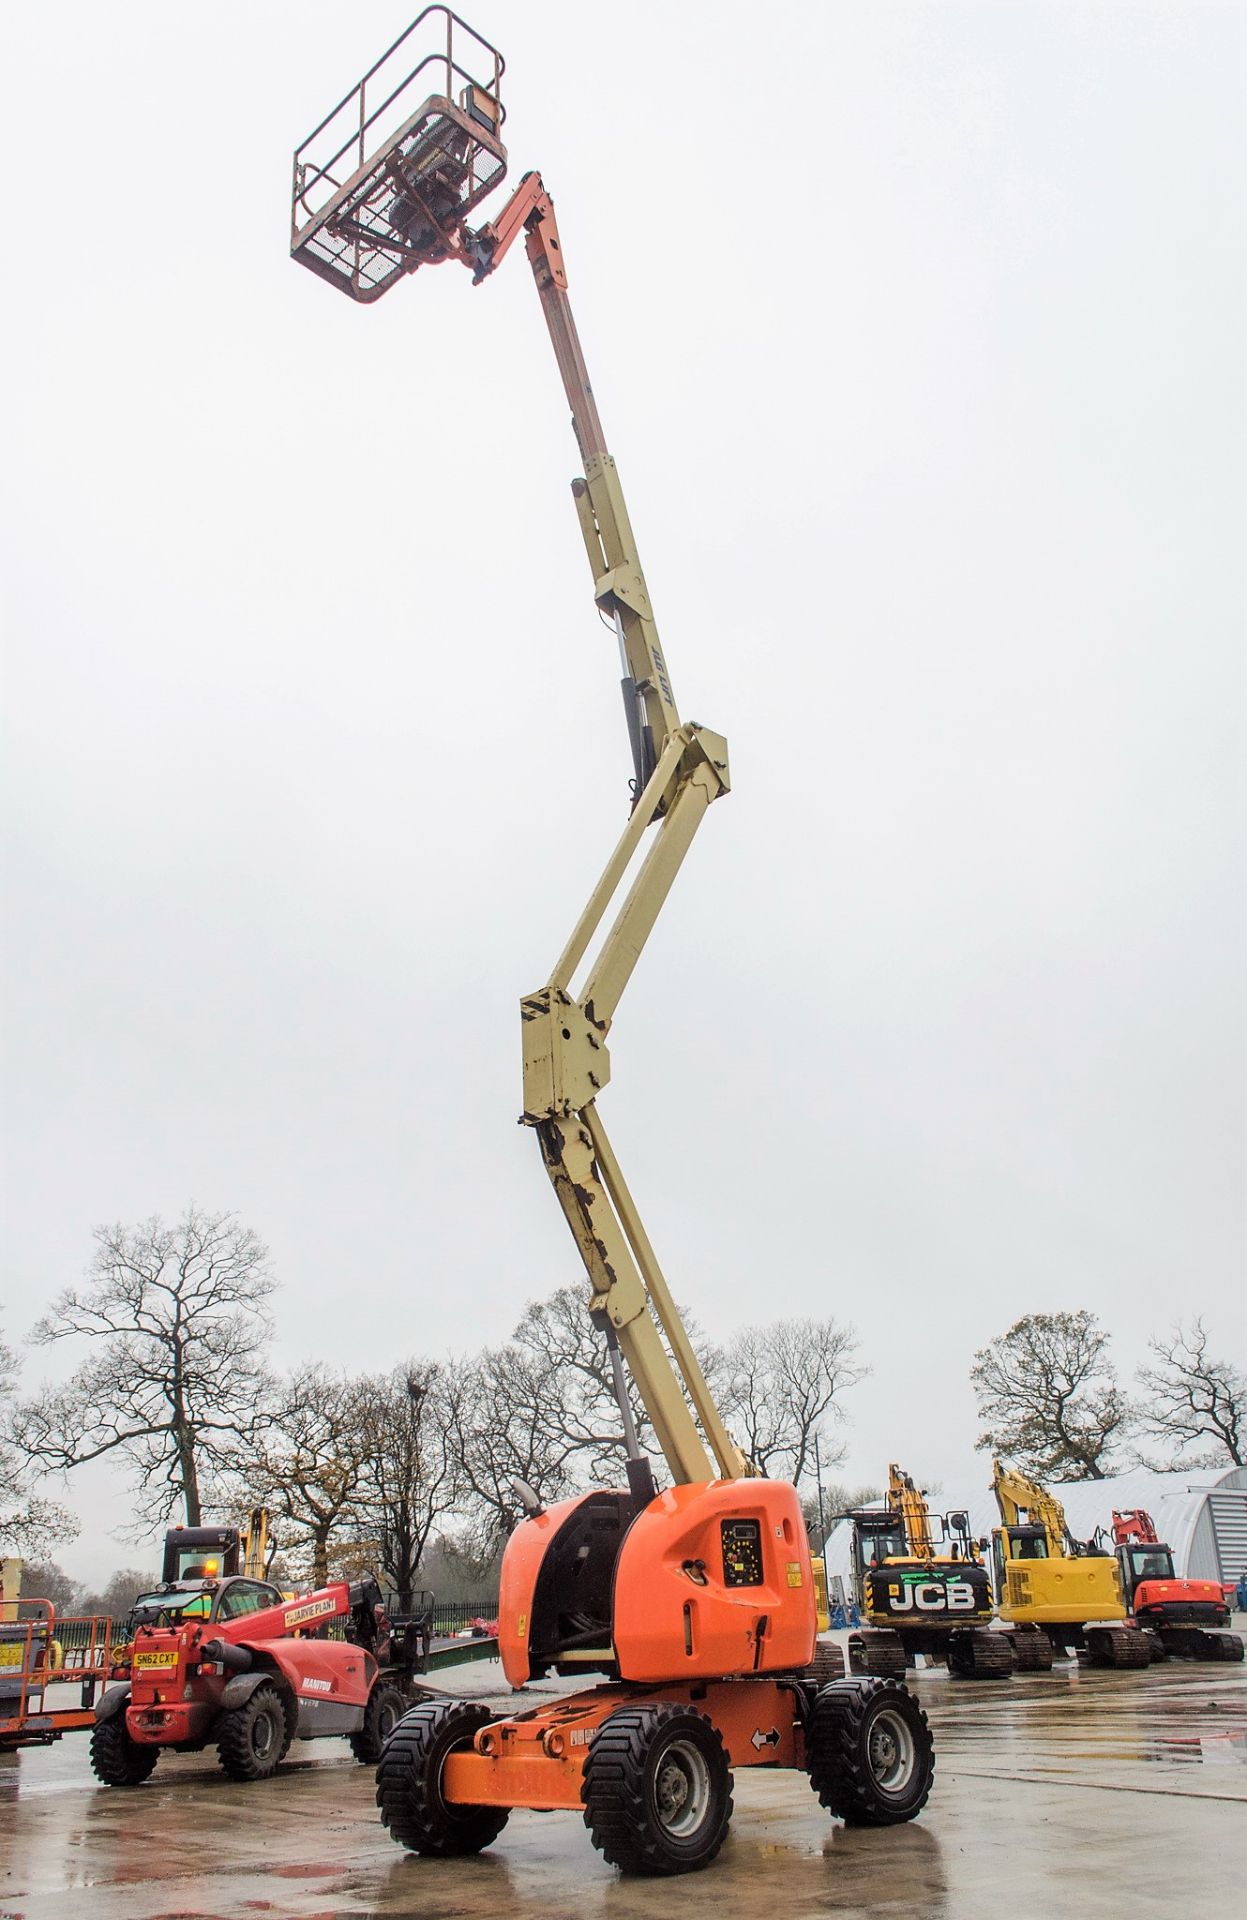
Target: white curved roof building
{"points": [[1202, 1516]]}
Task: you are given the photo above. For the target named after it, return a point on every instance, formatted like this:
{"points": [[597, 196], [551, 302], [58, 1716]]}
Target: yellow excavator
{"points": [[922, 1588], [694, 1605], [1050, 1584]]}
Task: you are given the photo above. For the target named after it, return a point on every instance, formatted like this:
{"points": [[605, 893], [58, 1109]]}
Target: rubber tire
{"points": [[621, 1783], [877, 1652], [838, 1757], [386, 1707], [827, 1664], [118, 1760], [238, 1730], [1033, 1652], [1230, 1647], [409, 1782]]}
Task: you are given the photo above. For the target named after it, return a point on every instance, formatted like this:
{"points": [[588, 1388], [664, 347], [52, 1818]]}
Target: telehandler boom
{"points": [[697, 1603]]}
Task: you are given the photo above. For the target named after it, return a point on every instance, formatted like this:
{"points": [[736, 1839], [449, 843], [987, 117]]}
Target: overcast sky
{"points": [[918, 334]]}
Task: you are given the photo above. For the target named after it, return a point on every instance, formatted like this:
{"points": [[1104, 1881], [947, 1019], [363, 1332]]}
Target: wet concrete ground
{"points": [[1088, 1793]]}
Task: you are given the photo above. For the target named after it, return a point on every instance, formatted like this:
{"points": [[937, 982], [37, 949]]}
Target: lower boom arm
{"points": [[679, 771]]}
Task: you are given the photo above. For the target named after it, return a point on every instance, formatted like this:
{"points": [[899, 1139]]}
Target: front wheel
{"points": [[251, 1739], [118, 1760], [870, 1755], [657, 1790], [409, 1782]]}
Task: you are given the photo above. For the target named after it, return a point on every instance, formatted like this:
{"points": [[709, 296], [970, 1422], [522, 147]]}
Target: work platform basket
{"points": [[385, 182]]}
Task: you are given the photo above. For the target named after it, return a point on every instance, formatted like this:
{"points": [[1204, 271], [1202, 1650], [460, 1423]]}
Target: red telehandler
{"points": [[228, 1663], [1186, 1618]]}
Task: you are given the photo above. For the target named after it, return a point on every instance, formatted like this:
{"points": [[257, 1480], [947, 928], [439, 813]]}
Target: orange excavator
{"points": [[1188, 1619], [693, 1604]]}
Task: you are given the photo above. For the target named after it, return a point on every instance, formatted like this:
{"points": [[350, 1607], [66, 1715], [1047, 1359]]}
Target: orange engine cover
{"points": [[715, 1580], [706, 1581]]}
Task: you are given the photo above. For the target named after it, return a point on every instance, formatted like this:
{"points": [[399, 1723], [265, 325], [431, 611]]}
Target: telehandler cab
{"points": [[695, 1604]]}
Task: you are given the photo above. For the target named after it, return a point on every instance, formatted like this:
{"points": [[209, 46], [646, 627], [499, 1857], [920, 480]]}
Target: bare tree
{"points": [[177, 1322], [780, 1389], [1050, 1392], [28, 1523], [309, 1465], [118, 1595], [1191, 1399], [501, 1409], [410, 1475], [44, 1580]]}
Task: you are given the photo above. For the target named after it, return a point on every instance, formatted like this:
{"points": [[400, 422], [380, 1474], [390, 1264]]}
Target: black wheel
{"points": [[1032, 1651], [878, 1652], [1229, 1646], [657, 1790], [251, 1739], [827, 1664], [409, 1782], [869, 1752], [116, 1759], [386, 1707]]}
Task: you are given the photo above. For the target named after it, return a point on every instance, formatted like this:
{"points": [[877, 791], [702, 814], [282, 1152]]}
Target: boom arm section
{"points": [[679, 769], [618, 582], [907, 1500], [1021, 1500]]}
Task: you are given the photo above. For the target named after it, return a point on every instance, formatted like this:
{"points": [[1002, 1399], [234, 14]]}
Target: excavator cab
{"points": [[384, 184]]}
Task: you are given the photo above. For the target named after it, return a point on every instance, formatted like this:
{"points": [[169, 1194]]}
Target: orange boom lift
{"points": [[696, 1604]]}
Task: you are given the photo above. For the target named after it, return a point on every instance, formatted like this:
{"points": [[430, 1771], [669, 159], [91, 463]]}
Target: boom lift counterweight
{"points": [[697, 1604]]}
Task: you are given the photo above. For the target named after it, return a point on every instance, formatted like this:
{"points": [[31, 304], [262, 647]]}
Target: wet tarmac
{"points": [[1079, 1792]]}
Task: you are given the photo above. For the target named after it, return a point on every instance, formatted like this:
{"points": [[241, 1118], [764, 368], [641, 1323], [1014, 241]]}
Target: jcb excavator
{"points": [[923, 1589], [1047, 1582], [1188, 1619], [695, 1604]]}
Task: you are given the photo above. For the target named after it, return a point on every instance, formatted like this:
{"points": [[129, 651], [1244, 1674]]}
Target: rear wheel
{"points": [[409, 1782], [251, 1739], [870, 1755], [116, 1759], [386, 1707], [658, 1790]]}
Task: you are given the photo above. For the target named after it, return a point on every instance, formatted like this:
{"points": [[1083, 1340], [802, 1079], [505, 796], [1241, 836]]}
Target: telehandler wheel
{"points": [[1033, 1652], [386, 1707], [869, 1752], [409, 1782], [658, 1790], [251, 1739], [118, 1760]]}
